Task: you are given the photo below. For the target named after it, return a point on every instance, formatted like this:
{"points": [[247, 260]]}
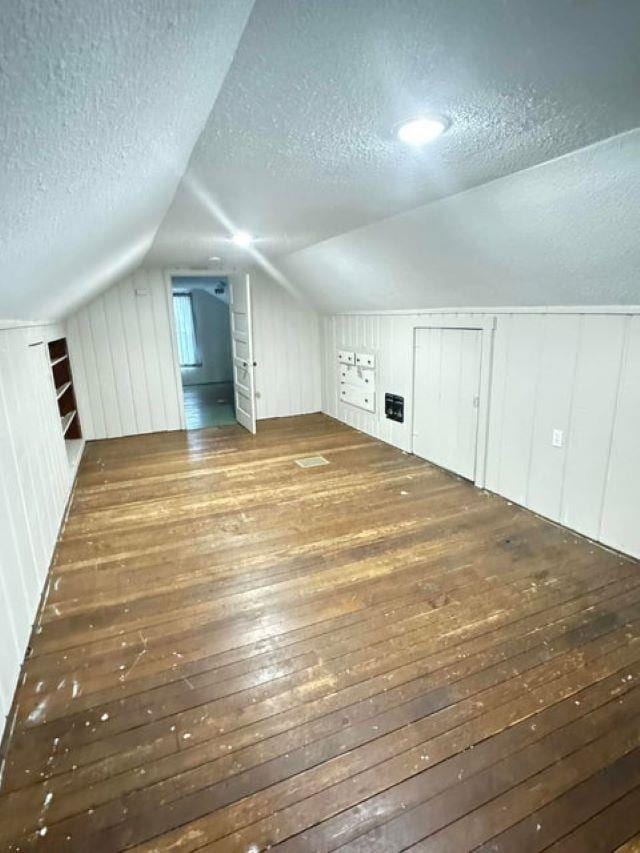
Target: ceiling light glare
{"points": [[242, 238], [215, 258], [419, 131]]}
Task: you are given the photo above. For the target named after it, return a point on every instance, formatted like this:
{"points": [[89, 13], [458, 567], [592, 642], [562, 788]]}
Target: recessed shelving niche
{"points": [[67, 408]]}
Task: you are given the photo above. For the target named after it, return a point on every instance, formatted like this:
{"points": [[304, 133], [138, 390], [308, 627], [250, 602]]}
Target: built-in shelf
{"points": [[60, 391], [64, 391], [67, 420]]}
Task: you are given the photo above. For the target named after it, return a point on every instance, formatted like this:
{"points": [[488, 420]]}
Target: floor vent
{"points": [[312, 461]]}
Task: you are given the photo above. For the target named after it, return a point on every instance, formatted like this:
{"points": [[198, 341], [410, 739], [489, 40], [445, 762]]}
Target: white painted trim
{"points": [[534, 309], [177, 373], [20, 324], [200, 273]]}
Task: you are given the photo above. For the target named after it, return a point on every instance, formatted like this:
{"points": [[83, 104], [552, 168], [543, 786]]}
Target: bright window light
{"points": [[419, 131], [186, 330]]}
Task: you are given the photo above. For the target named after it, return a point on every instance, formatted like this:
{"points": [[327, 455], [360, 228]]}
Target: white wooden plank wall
{"points": [[123, 362], [574, 372], [286, 335], [35, 483], [121, 350]]}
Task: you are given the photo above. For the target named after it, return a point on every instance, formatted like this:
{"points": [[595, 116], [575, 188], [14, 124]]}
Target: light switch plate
{"points": [[557, 438]]}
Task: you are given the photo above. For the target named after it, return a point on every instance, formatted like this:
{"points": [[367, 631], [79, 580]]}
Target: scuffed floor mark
{"points": [[37, 714], [138, 657]]}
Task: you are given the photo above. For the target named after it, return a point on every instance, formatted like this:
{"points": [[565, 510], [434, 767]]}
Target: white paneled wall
{"points": [[390, 336], [577, 372], [286, 337], [124, 363], [35, 483], [121, 349]]}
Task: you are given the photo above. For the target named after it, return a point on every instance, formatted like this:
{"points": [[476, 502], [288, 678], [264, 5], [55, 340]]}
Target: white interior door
{"points": [[446, 397], [242, 347]]}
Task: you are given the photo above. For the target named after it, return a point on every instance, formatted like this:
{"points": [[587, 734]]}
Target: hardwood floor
{"points": [[210, 404], [237, 654]]}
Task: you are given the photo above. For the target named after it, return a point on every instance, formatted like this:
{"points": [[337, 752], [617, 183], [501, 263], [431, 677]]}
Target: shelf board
{"points": [[55, 361], [65, 420], [60, 391]]}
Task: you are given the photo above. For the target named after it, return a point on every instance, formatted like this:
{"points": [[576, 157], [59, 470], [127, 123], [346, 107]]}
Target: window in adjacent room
{"points": [[186, 330]]}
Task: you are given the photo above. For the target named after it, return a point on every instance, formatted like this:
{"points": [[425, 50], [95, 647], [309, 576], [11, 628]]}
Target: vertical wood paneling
{"points": [[621, 504], [514, 404], [555, 375], [595, 391], [286, 336], [120, 362], [122, 354], [549, 371], [100, 335], [135, 359], [122, 350], [166, 368], [80, 381], [35, 481]]}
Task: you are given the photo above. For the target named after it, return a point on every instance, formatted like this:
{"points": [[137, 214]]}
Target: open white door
{"points": [[242, 348]]}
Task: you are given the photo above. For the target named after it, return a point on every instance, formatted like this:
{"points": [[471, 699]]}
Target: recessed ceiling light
{"points": [[215, 258], [421, 130], [242, 238]]}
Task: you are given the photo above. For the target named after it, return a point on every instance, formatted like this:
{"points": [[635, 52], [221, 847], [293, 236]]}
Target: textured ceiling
{"points": [[561, 233], [300, 146], [291, 109], [101, 104]]}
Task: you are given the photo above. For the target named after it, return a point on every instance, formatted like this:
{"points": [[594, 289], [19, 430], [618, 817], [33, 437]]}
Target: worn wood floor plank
{"points": [[236, 654]]}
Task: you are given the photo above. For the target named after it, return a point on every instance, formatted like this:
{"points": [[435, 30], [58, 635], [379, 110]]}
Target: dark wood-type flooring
{"points": [[210, 404], [237, 654]]}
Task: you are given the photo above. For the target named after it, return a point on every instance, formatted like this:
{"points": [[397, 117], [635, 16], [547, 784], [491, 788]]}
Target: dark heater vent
{"points": [[394, 407]]}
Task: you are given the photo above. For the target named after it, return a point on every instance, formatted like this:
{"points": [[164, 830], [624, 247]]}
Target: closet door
{"points": [[446, 397]]}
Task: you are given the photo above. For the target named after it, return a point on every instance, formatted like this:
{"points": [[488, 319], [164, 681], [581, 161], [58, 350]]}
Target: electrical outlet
{"points": [[557, 438]]}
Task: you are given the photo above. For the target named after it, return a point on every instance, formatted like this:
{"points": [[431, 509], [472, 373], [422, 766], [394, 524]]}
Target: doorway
{"points": [[203, 334], [447, 364]]}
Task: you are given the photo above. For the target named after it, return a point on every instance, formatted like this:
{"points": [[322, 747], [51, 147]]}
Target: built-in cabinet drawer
{"points": [[365, 359], [362, 377], [360, 397], [346, 357]]}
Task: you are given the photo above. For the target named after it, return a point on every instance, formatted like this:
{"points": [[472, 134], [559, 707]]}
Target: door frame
{"points": [[486, 326], [169, 274]]}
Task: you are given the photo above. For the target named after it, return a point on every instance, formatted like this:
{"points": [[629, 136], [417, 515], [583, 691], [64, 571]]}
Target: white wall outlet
{"points": [[557, 438]]}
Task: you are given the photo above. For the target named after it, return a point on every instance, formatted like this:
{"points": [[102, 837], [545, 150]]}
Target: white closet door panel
{"points": [[447, 382], [468, 398]]}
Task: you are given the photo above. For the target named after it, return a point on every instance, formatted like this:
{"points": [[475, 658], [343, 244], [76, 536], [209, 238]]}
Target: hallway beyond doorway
{"points": [[209, 404]]}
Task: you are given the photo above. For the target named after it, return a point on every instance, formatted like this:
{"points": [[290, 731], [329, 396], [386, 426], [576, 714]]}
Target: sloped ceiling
{"points": [[101, 104], [562, 233], [300, 145], [283, 117]]}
